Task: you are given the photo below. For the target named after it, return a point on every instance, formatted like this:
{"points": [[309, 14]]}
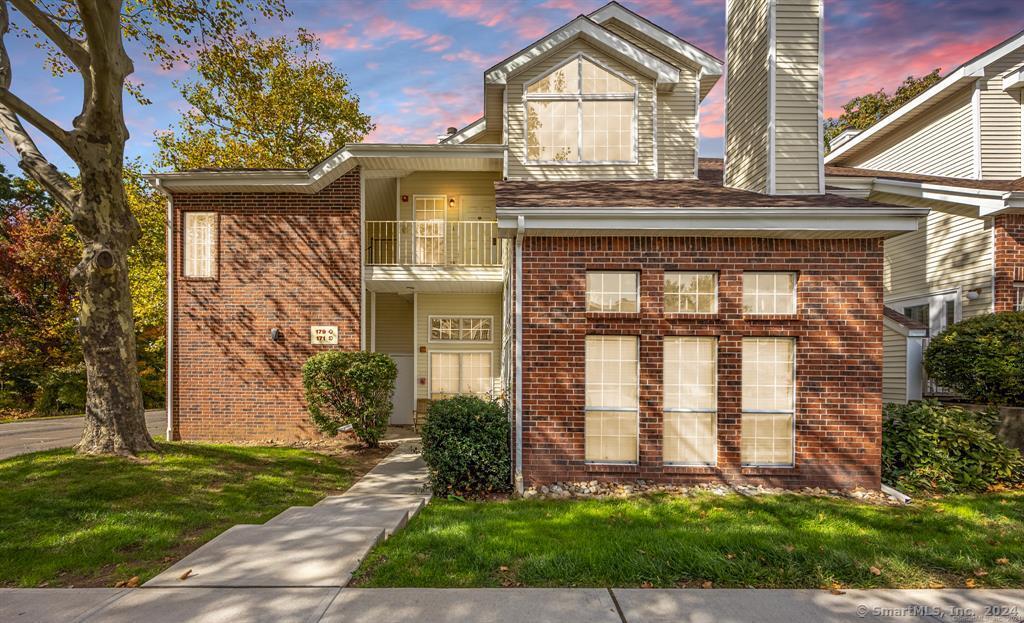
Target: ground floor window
{"points": [[767, 428], [460, 373], [612, 399], [1019, 290], [691, 396]]}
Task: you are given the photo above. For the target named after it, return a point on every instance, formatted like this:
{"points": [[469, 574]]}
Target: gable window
{"points": [[691, 397], [200, 257], [460, 373], [581, 112], [461, 328], [610, 429], [691, 293], [612, 292], [769, 401], [769, 293]]}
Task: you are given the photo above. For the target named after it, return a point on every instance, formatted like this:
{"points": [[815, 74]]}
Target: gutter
{"points": [[169, 350], [520, 232]]}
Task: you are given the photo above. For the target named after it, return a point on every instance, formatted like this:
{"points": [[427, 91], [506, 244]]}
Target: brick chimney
{"points": [[774, 96]]}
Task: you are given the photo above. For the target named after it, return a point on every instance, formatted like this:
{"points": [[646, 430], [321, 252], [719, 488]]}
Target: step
{"points": [[390, 512]]}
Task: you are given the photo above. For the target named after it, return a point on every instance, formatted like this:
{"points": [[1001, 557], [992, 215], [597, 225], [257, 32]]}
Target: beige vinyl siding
{"points": [[453, 184], [950, 250], [494, 110], [393, 326], [380, 199], [520, 169], [797, 148], [746, 139], [1001, 122], [677, 109], [894, 366], [456, 305], [940, 143]]}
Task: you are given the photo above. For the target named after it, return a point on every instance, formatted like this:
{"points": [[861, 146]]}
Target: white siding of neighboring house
{"points": [[951, 249], [797, 121], [940, 143], [1001, 122], [520, 169], [746, 137], [456, 305], [894, 368]]}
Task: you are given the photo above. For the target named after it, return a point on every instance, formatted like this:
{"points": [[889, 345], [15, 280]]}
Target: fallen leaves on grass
{"points": [[1002, 561], [875, 571]]}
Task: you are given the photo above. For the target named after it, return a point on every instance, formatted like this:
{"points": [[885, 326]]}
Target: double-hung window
{"points": [[691, 398], [581, 112], [460, 373], [612, 399], [769, 403], [200, 256]]}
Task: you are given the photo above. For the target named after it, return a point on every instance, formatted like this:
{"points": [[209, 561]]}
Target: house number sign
{"points": [[323, 335]]}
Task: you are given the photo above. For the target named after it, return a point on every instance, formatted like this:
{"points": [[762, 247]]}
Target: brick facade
{"points": [[838, 330], [284, 260], [1009, 259]]}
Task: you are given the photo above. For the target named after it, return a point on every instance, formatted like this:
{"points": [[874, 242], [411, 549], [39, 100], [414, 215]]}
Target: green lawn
{"points": [[731, 541], [91, 521]]}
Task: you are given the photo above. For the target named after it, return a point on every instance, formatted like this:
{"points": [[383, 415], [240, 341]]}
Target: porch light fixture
{"points": [[451, 203], [972, 295], [275, 335]]}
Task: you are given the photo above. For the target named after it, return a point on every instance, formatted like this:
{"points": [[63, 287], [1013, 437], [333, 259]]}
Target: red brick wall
{"points": [[839, 353], [1009, 257], [284, 260]]}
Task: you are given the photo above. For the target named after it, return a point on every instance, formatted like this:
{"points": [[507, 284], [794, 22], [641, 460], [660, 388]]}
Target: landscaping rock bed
{"points": [[595, 489]]}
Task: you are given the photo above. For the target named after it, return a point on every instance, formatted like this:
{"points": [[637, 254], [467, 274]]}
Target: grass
{"points": [[68, 520], [730, 541]]}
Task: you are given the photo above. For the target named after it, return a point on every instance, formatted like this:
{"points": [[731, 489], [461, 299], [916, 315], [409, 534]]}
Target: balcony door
{"points": [[430, 215]]}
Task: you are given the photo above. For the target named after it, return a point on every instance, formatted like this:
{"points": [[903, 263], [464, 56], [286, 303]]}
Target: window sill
{"points": [[692, 316], [689, 469], [613, 315], [201, 279], [771, 317], [766, 470], [611, 467]]}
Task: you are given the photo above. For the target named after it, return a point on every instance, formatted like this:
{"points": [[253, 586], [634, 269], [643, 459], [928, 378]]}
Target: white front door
{"points": [[430, 215], [401, 400]]}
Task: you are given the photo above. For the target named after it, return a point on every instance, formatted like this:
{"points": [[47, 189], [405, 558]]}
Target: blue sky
{"points": [[417, 65]]}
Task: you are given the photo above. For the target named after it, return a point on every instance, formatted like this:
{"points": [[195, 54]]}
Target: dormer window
{"points": [[581, 112]]}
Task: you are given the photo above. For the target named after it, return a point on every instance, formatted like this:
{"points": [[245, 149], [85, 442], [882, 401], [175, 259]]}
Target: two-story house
{"points": [[642, 318], [957, 150]]}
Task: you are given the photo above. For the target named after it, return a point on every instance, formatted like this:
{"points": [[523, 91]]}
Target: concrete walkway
{"points": [[33, 435]]}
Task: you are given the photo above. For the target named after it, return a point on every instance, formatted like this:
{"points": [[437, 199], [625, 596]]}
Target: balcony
{"points": [[434, 256]]}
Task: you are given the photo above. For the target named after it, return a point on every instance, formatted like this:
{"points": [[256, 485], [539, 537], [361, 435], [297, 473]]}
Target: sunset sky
{"points": [[418, 65]]}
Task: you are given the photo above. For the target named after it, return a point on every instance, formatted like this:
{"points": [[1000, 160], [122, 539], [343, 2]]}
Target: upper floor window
{"points": [[461, 328], [581, 112], [200, 257], [691, 293], [616, 292]]}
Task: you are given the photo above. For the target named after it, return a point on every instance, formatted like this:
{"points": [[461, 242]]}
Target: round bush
{"points": [[930, 447], [982, 358], [345, 387], [466, 446]]}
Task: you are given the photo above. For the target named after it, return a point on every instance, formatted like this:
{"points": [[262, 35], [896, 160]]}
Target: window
{"points": [[691, 398], [691, 293], [460, 373], [461, 328], [769, 293], [613, 292], [1019, 288], [919, 313], [200, 244], [612, 401], [766, 436], [580, 112], [936, 311]]}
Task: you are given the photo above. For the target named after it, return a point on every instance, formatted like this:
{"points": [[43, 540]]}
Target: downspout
{"points": [[169, 350], [520, 231]]}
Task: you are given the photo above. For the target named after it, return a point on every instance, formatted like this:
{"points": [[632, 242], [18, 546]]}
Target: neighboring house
{"points": [[956, 149], [641, 317]]}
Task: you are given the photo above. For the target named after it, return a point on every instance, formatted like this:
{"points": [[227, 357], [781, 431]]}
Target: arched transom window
{"points": [[580, 112]]}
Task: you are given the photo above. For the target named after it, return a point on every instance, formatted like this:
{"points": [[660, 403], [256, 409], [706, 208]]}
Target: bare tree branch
{"points": [[74, 50], [24, 110]]}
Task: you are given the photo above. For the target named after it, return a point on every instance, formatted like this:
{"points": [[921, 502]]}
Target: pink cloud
{"points": [[383, 30], [472, 57], [712, 122]]}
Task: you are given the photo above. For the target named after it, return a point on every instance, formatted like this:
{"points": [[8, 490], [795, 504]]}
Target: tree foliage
{"points": [[981, 358], [263, 103], [864, 111]]}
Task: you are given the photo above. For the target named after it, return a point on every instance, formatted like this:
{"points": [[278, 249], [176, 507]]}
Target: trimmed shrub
{"points": [[350, 387], [466, 446], [981, 358], [930, 447]]}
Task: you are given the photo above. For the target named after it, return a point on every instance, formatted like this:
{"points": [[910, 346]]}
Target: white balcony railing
{"points": [[432, 243]]}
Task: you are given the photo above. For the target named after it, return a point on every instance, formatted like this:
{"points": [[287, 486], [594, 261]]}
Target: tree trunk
{"points": [[115, 421]]}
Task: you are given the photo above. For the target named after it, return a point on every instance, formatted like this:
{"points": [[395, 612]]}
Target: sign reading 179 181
{"points": [[323, 335]]}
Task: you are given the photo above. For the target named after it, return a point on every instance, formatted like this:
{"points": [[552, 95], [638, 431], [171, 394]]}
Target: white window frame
{"points": [[1018, 288], [636, 341], [796, 289], [936, 307], [791, 412], [713, 412], [214, 246], [430, 328], [580, 97], [430, 368], [442, 240], [713, 273], [586, 291]]}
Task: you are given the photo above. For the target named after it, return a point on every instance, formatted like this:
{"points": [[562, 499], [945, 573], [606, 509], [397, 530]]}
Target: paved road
{"points": [[34, 435]]}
